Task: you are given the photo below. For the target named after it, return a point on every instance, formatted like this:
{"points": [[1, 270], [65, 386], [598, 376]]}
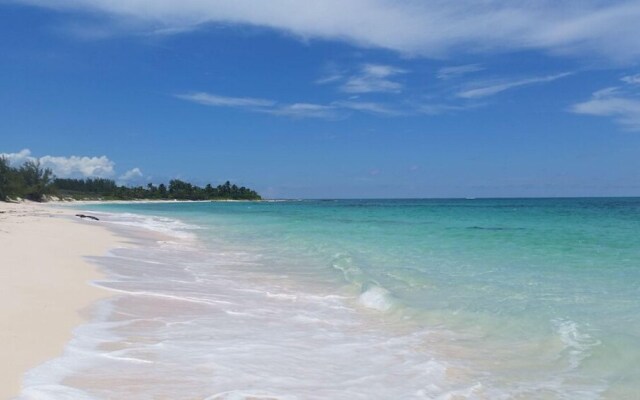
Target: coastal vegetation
{"points": [[31, 181], [28, 181]]}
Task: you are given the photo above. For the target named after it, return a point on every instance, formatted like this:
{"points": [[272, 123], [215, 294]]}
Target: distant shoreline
{"points": [[143, 201]]}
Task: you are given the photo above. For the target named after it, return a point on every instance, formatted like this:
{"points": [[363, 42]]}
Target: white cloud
{"points": [[458, 70], [489, 89], [606, 28], [329, 79], [333, 110], [131, 175], [67, 167], [295, 110], [368, 107], [19, 158], [305, 110], [614, 102], [437, 109], [331, 73], [209, 99], [75, 166], [632, 79], [374, 78]]}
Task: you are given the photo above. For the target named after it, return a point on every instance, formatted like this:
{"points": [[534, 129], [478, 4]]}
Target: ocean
{"points": [[361, 299]]}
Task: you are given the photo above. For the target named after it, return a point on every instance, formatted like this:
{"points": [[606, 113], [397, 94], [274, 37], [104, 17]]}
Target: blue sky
{"points": [[367, 98]]}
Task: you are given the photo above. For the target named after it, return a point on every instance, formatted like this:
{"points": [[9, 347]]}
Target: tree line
{"points": [[31, 181]]}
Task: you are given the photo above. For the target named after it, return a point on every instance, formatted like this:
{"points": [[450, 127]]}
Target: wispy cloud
{"points": [[374, 78], [426, 28], [329, 79], [484, 89], [443, 108], [67, 167], [369, 107], [331, 73], [458, 70], [295, 110], [305, 110], [614, 102], [209, 99], [632, 79], [333, 110]]}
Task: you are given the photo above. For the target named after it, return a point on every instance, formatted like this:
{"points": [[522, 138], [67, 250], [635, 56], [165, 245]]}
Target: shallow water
{"points": [[407, 299]]}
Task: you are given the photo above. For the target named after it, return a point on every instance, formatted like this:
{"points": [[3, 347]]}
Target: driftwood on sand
{"points": [[87, 216]]}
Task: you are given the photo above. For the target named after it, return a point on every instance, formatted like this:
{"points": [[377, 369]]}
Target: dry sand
{"points": [[44, 284]]}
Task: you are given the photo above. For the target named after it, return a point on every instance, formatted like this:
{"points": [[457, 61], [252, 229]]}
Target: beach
{"points": [[45, 284], [345, 299], [298, 200]]}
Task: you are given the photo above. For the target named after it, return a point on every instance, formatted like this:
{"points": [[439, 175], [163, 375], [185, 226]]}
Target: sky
{"points": [[328, 99]]}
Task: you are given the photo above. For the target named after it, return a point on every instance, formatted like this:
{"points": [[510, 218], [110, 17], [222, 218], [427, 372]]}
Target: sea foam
{"points": [[364, 299], [376, 298], [187, 322]]}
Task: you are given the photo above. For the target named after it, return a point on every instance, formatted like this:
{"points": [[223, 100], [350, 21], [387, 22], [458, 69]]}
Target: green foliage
{"points": [[29, 181], [89, 187], [32, 182], [4, 178], [177, 190], [37, 181]]}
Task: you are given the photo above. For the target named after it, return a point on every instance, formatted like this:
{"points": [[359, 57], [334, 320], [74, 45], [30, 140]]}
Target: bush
{"points": [[33, 182], [29, 181]]}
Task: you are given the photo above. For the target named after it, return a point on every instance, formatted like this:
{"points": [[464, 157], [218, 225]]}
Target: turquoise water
{"points": [[505, 298]]}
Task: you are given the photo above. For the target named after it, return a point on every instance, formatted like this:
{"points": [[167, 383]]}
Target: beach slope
{"points": [[44, 284]]}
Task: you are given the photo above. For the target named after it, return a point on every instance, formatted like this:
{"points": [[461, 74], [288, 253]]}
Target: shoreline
{"points": [[45, 284], [202, 301], [145, 201]]}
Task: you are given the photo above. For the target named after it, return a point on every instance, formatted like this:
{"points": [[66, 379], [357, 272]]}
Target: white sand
{"points": [[44, 284]]}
